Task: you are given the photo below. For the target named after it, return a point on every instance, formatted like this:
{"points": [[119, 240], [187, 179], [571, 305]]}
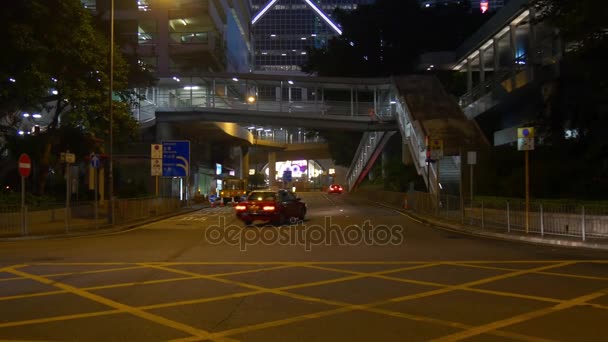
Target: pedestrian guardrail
{"points": [[80, 216], [543, 218]]}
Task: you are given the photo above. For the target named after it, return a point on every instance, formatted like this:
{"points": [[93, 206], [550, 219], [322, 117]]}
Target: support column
{"points": [[482, 66], [352, 102], [513, 51], [162, 43], [244, 163], [163, 131], [469, 76], [384, 157], [532, 41], [272, 168], [496, 48], [532, 58]]}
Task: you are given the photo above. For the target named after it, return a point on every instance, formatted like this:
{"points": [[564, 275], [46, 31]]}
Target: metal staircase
{"points": [[422, 108]]}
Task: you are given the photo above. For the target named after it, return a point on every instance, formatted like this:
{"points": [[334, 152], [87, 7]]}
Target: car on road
{"points": [[271, 206], [335, 189]]}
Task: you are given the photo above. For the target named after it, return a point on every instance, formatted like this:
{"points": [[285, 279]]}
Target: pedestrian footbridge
{"points": [[416, 107]]}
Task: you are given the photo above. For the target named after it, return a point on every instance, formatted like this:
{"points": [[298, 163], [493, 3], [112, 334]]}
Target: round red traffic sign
{"points": [[25, 165]]}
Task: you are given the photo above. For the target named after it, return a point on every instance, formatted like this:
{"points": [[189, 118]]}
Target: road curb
{"points": [[535, 240], [103, 231]]}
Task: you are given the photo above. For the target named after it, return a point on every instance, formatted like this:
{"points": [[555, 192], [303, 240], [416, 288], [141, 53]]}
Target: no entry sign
{"points": [[25, 165]]}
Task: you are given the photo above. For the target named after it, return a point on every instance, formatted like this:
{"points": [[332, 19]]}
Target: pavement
{"points": [[84, 227], [549, 240]]}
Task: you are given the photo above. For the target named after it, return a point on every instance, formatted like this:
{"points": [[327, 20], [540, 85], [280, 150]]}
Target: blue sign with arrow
{"points": [[176, 158], [94, 161]]}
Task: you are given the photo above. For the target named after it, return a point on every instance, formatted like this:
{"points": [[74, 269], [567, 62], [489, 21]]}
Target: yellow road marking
{"points": [[32, 295], [446, 286], [419, 295], [557, 274], [346, 307], [116, 305], [63, 274], [482, 329], [200, 300], [278, 291], [458, 325], [337, 262], [148, 282], [59, 318]]}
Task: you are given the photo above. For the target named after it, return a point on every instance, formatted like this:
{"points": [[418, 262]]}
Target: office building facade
{"points": [[284, 29], [180, 36]]}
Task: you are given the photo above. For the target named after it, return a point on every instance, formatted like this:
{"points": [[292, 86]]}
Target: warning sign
{"points": [[525, 139], [156, 167], [436, 148]]}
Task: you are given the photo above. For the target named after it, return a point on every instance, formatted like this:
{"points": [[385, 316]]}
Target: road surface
{"points": [[352, 271]]}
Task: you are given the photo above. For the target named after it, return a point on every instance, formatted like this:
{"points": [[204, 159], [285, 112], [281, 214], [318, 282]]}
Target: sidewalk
{"points": [[532, 238], [90, 230], [551, 240]]}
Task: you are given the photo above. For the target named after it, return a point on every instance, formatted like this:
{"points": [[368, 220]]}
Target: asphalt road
{"points": [[352, 271]]}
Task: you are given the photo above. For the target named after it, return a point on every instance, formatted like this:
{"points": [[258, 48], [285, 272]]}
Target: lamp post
{"points": [[111, 166]]}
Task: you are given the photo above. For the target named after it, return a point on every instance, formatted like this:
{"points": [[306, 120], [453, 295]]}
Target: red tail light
{"points": [[240, 207], [268, 208]]}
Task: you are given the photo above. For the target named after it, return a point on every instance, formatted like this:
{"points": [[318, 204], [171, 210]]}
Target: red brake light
{"points": [[240, 207], [268, 208]]}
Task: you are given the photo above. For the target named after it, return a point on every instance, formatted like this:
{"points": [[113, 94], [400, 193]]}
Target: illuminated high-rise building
{"points": [[476, 5], [283, 29]]}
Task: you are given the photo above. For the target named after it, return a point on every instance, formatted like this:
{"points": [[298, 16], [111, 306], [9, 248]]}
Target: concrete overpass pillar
{"points": [[163, 131], [513, 51], [469, 76], [272, 168], [244, 163], [496, 48], [384, 163], [482, 66], [162, 42]]}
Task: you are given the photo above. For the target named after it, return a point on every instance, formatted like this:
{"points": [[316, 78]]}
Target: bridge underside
{"points": [[296, 120]]}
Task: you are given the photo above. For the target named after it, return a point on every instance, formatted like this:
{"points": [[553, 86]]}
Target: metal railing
{"points": [[544, 218], [80, 216], [519, 64], [411, 132]]}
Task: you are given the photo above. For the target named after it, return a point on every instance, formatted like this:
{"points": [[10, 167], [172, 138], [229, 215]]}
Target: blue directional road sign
{"points": [[287, 176], [94, 161], [176, 158]]}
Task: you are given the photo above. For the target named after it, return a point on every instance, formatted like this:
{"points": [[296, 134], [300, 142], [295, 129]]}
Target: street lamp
{"points": [[111, 171]]}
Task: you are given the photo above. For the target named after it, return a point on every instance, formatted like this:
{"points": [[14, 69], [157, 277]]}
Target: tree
{"points": [[575, 117], [62, 71]]}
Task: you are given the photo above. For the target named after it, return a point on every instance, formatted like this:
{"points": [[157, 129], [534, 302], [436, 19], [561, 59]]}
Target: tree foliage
{"points": [[575, 117], [56, 63]]}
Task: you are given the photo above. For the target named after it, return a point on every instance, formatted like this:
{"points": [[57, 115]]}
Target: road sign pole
{"points": [[25, 167], [527, 191], [96, 180], [461, 186], [23, 228], [67, 197], [471, 185], [156, 185], [437, 187]]}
